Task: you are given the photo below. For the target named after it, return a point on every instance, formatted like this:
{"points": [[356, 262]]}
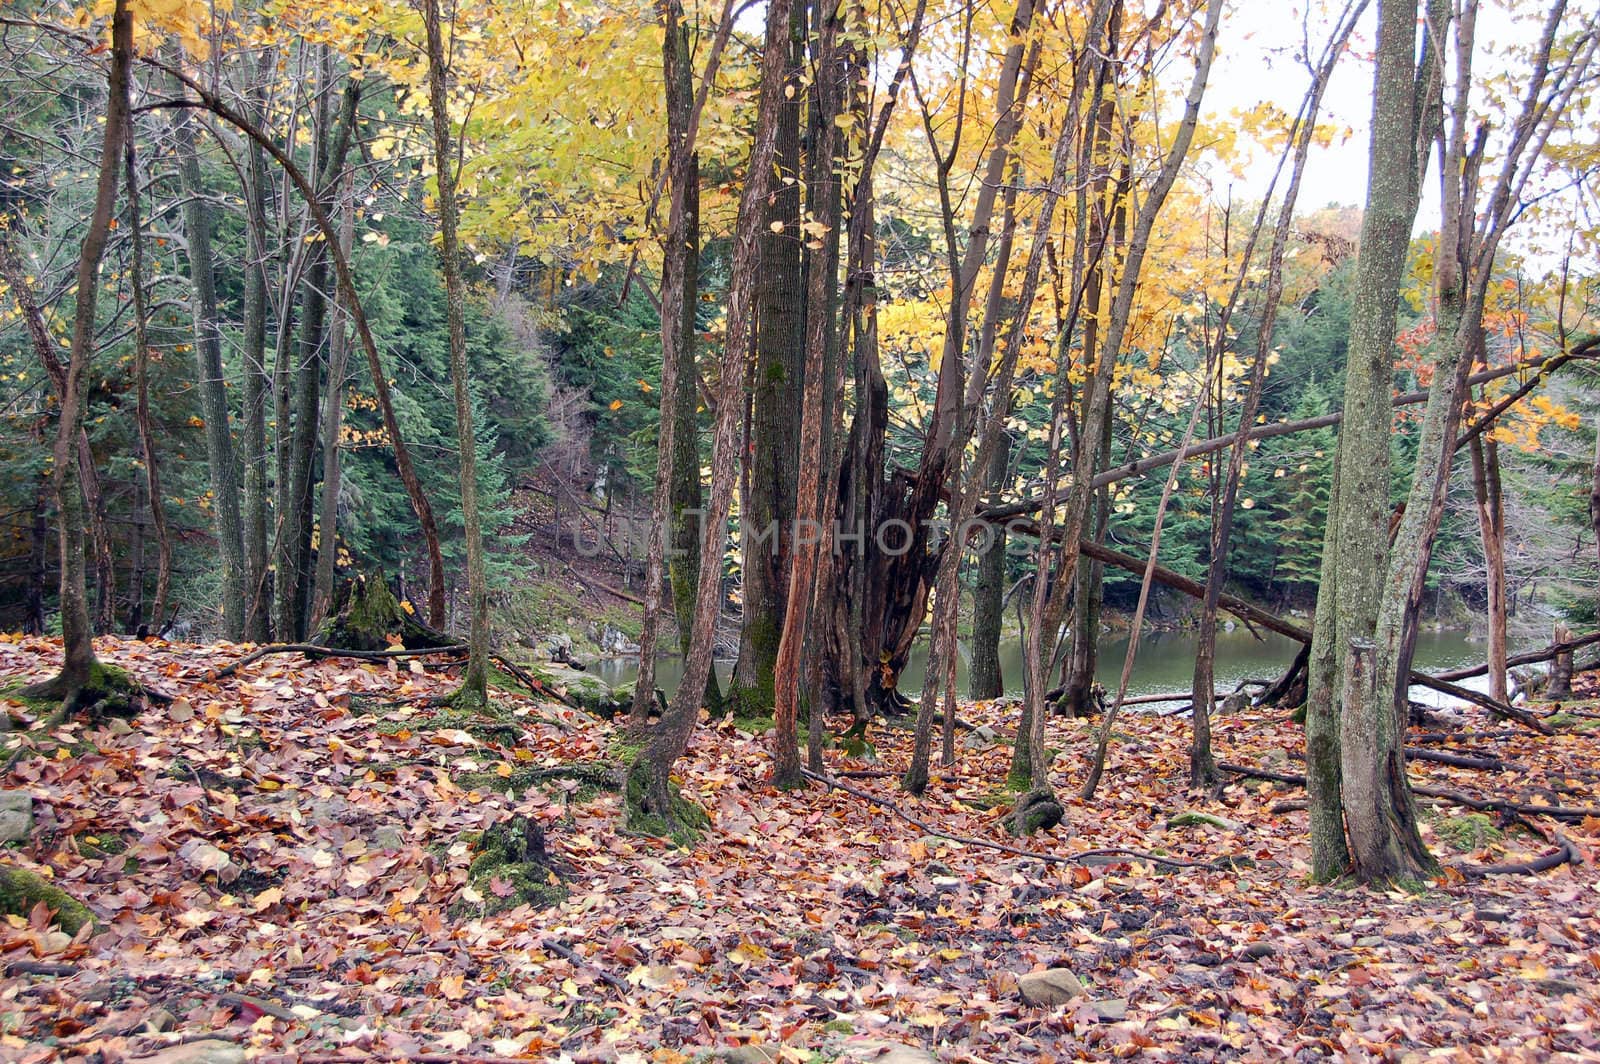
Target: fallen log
{"points": [[1533, 657]]}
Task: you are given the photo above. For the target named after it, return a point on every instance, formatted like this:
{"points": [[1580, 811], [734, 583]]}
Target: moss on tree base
{"points": [[367, 616], [21, 890], [107, 691], [682, 821], [1037, 810]]}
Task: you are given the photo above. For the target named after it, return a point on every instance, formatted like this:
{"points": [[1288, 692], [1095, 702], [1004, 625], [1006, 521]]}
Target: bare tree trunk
{"points": [[154, 501], [767, 516], [79, 668], [332, 425], [210, 378], [474, 682], [650, 799], [984, 676], [253, 420], [677, 340], [1492, 531]]}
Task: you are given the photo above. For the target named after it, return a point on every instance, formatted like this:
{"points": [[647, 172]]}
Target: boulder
{"points": [[1050, 988], [1193, 818], [883, 1051], [16, 816], [980, 738], [205, 1051]]}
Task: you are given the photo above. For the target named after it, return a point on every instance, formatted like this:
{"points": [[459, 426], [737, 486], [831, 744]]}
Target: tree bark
{"points": [[1492, 531], [985, 678], [79, 668], [650, 800], [474, 682], [211, 379]]}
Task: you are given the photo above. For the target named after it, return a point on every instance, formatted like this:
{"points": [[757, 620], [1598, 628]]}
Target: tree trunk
{"points": [[79, 669], [253, 419], [767, 533], [650, 799], [821, 283], [984, 676], [1492, 531], [332, 426], [1381, 847], [154, 499], [678, 299], [474, 682], [211, 379]]}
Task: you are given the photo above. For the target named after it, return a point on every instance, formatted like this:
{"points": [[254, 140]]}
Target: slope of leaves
{"points": [[281, 860]]}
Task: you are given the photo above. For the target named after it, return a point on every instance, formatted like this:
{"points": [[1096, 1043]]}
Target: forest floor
{"points": [[281, 861]]}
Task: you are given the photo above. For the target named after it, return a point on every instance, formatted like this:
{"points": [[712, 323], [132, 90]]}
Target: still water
{"points": [[1164, 663]]}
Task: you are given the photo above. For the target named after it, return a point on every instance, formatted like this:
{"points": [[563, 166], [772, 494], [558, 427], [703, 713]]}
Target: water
{"points": [[1163, 665]]}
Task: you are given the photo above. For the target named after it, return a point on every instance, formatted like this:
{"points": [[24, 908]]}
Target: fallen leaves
{"points": [[310, 851]]}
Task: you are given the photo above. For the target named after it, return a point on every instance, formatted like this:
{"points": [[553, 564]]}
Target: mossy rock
{"points": [[21, 890], [589, 691], [513, 868], [683, 822], [1467, 832]]}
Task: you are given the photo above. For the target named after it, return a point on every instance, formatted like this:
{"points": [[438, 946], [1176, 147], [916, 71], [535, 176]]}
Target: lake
{"points": [[1164, 664]]}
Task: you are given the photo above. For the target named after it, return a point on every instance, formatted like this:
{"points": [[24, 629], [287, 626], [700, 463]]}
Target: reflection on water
{"points": [[1164, 664]]}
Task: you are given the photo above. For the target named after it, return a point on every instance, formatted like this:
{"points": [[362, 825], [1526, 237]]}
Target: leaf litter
{"points": [[280, 864]]}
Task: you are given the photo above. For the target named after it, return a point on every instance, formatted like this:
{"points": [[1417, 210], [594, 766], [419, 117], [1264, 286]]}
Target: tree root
{"points": [[834, 782], [21, 890], [315, 652]]}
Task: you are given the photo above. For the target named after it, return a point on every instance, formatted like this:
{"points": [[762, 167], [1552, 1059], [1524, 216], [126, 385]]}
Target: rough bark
{"points": [[1492, 532], [1356, 543], [80, 671], [256, 388], [984, 675], [649, 799], [332, 425], [210, 377], [474, 681]]}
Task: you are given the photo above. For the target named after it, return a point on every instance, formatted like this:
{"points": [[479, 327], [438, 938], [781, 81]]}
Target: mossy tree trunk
{"points": [[474, 683]]}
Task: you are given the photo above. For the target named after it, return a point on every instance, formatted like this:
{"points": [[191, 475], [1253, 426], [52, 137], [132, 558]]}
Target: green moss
{"points": [[1468, 832], [683, 824], [512, 868], [21, 890], [593, 777], [108, 844], [1038, 810], [1571, 722]]}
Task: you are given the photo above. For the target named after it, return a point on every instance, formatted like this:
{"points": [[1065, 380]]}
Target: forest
{"points": [[783, 530]]}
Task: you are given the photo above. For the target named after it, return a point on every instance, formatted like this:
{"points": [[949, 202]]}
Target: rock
{"points": [[1111, 1010], [1558, 986], [1492, 916], [159, 1020], [588, 691], [614, 641], [118, 726], [205, 1051], [16, 816], [1255, 951], [389, 837], [1192, 818], [882, 1051], [1274, 758], [1049, 988], [754, 1053], [980, 738]]}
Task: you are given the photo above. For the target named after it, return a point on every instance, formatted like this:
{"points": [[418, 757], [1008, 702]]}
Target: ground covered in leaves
{"points": [[283, 866]]}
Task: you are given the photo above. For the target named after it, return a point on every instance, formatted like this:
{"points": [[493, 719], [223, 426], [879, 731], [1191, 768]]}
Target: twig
{"points": [[567, 954], [311, 650], [1047, 858]]}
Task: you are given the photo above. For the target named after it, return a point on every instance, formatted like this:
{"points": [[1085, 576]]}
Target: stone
{"points": [[980, 738], [159, 1020], [1111, 1010], [118, 726], [205, 1051], [1256, 951], [16, 816], [1049, 988], [754, 1053], [882, 1051], [1192, 818], [389, 837]]}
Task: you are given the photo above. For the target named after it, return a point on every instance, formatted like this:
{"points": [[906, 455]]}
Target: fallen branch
{"points": [[566, 953], [312, 650], [1531, 658], [598, 585], [1565, 853], [537, 686], [1483, 805], [1045, 858]]}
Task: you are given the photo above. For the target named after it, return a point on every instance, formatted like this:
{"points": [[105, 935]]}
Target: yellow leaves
{"points": [[616, 404]]}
